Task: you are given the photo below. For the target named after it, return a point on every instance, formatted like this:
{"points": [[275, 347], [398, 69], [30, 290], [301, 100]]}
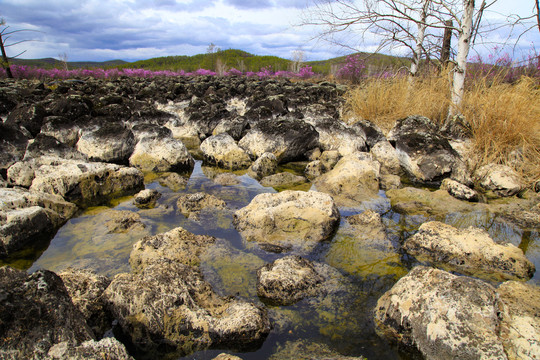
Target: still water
{"points": [[341, 320]]}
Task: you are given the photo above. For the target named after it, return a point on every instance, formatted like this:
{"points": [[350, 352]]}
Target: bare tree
{"points": [[4, 37], [298, 58], [63, 57]]}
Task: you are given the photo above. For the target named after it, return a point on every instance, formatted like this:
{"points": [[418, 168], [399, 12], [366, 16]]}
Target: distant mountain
{"points": [[227, 59]]}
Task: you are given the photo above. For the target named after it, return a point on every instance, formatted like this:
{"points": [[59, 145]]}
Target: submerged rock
{"points": [[295, 218], [36, 313], [191, 205], [304, 350], [222, 150], [282, 180], [470, 251]]}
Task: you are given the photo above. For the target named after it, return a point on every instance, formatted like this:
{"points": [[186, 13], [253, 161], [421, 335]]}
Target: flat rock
{"points": [[223, 151], [295, 218], [470, 251]]}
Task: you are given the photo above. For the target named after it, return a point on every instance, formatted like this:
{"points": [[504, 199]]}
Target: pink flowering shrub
{"points": [[353, 69]]}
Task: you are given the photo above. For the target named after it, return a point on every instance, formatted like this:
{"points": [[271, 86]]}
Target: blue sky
{"points": [[100, 30]]}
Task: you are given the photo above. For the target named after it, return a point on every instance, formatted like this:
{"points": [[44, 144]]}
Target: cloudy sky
{"points": [[100, 30]]}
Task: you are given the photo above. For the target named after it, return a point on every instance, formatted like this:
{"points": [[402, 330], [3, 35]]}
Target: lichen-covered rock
{"points": [[443, 315], [374, 134], [458, 190], [176, 245], [520, 319], [111, 142], [107, 348], [329, 159], [222, 150], [190, 205], [470, 251], [62, 129], [159, 155], [500, 179], [265, 165], [146, 199], [282, 180], [86, 288], [45, 145], [296, 218], [338, 136], [80, 182], [288, 140], [354, 179], [27, 116], [387, 156], [423, 152], [288, 280], [169, 304], [27, 215], [314, 169], [36, 313], [12, 146], [389, 182]]}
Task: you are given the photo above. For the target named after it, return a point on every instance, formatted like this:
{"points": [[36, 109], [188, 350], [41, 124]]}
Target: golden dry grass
{"points": [[505, 118]]}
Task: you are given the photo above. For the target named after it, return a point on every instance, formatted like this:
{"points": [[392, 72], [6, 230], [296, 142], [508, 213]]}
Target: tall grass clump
{"points": [[504, 116]]}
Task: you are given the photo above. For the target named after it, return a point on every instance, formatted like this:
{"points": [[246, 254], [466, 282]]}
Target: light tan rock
{"points": [[167, 154], [265, 165], [458, 190], [282, 180], [501, 179], [223, 151], [387, 156]]}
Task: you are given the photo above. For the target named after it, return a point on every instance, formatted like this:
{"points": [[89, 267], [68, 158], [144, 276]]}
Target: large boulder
{"points": [[222, 150], [27, 216], [36, 313], [470, 251], [27, 116], [83, 183], [168, 305], [62, 129], [111, 142], [387, 156], [336, 135], [501, 179], [288, 140], [12, 147], [354, 179], [161, 154], [424, 153], [290, 218]]}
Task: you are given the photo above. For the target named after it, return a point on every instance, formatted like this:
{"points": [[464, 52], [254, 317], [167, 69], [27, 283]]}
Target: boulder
{"points": [[469, 251], [190, 205], [168, 305], [336, 135], [500, 179], [354, 179], [282, 180], [222, 150], [86, 289], [459, 191], [387, 156], [45, 145], [27, 116], [28, 216], [12, 147], [329, 159], [111, 142], [444, 316], [71, 107], [265, 165], [520, 319], [314, 169], [108, 348], [289, 218], [288, 280], [36, 313], [224, 356], [389, 182], [83, 183], [372, 132], [233, 126], [159, 155], [62, 129], [176, 245], [288, 140], [146, 199], [424, 153]]}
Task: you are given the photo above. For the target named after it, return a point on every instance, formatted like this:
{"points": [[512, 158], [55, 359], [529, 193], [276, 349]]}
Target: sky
{"points": [[99, 30]]}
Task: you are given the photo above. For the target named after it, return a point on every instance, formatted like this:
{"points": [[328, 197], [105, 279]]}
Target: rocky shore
{"points": [[68, 145]]}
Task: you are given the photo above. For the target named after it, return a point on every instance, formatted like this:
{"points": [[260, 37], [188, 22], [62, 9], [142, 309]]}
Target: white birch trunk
{"points": [[417, 55], [465, 31]]}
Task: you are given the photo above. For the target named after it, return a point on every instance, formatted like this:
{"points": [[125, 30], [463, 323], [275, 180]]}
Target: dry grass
{"points": [[505, 118]]}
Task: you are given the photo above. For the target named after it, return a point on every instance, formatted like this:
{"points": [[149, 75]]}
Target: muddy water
{"points": [[341, 320]]}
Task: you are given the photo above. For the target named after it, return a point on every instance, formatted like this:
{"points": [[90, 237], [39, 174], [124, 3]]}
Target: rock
{"points": [[304, 350], [265, 165], [314, 169], [338, 136], [107, 348], [168, 303], [372, 132], [424, 154], [27, 216], [71, 107], [470, 251], [500, 179], [520, 319], [289, 218], [222, 150], [190, 205], [457, 128], [159, 155], [282, 180], [80, 182], [86, 288], [414, 201], [27, 116], [390, 182], [176, 245], [288, 140], [226, 179], [288, 280], [459, 191], [234, 127], [146, 199], [45, 145], [36, 313], [443, 315], [150, 131], [111, 142], [174, 181], [62, 129], [354, 179], [329, 159], [123, 221], [387, 156], [224, 356], [12, 147]]}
